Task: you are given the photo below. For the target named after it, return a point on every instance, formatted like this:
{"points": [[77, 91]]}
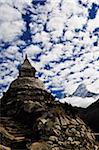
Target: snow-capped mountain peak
{"points": [[82, 91]]}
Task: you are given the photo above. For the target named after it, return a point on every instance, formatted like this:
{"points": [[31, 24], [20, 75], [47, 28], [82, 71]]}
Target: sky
{"points": [[60, 37]]}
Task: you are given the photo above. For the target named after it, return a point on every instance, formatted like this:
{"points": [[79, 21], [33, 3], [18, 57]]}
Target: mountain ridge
{"points": [[90, 115]]}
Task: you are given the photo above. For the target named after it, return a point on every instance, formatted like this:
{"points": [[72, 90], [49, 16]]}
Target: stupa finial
{"points": [[26, 69], [26, 57]]}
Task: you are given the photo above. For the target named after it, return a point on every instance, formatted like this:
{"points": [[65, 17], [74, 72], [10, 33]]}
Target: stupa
{"points": [[31, 119], [25, 89]]}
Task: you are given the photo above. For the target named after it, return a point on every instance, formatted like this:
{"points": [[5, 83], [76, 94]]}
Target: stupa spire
{"points": [[26, 69], [26, 57]]}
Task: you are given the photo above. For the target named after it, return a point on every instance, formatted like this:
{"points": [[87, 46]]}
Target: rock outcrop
{"points": [[90, 115], [31, 119]]}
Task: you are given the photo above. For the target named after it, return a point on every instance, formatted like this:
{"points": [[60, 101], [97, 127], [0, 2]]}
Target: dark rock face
{"points": [[31, 119], [82, 91], [90, 115]]}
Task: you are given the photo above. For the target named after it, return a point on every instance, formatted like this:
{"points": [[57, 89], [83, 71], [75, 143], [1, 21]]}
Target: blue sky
{"points": [[60, 37]]}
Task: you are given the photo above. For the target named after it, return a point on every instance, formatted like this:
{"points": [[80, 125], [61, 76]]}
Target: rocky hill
{"points": [[31, 119], [90, 115]]}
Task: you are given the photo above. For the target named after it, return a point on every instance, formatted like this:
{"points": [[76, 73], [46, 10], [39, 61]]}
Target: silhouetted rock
{"points": [[90, 115]]}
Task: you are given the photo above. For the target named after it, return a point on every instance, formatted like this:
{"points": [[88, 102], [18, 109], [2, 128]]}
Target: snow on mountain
{"points": [[82, 91], [81, 97], [78, 101], [60, 38]]}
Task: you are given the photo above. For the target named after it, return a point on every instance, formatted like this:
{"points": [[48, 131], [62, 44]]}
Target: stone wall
{"points": [[46, 126]]}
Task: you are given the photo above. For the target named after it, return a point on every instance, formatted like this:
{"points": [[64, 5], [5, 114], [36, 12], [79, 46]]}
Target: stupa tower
{"points": [[26, 88]]}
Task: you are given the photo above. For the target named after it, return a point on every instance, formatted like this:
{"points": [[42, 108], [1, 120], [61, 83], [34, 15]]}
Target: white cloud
{"points": [[93, 1], [32, 50], [21, 4], [94, 87], [76, 22], [69, 35], [55, 23], [8, 13], [41, 37], [11, 23], [9, 2], [93, 23], [10, 31]]}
